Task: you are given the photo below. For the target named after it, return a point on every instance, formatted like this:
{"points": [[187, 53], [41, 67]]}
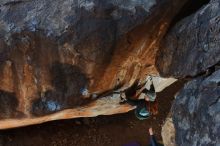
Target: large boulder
{"points": [[196, 112], [51, 51], [192, 45], [192, 48]]}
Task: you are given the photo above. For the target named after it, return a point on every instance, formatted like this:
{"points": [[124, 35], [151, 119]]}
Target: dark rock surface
{"points": [[192, 46], [196, 112], [50, 50], [192, 49], [8, 104]]}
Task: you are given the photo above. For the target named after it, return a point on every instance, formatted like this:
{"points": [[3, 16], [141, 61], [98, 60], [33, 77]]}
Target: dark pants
{"points": [[153, 141]]}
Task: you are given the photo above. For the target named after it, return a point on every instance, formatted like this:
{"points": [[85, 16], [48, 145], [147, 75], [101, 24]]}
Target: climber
{"points": [[148, 103], [147, 92], [144, 97], [153, 141]]}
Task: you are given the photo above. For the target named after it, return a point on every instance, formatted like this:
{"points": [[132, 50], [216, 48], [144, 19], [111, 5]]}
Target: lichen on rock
{"points": [[192, 45], [196, 112]]}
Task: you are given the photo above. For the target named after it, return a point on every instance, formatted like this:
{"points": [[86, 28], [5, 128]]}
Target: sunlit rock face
{"points": [[51, 50], [168, 132]]}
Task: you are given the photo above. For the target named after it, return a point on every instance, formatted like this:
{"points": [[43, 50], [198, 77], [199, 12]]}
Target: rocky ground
{"points": [[100, 131]]}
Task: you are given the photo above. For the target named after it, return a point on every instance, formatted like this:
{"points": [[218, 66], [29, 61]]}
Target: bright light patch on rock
{"points": [[132, 4]]}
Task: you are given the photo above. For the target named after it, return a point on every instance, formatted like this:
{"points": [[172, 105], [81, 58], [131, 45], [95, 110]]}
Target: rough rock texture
{"points": [[196, 112], [168, 132], [50, 50], [104, 106], [189, 49], [192, 45]]}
